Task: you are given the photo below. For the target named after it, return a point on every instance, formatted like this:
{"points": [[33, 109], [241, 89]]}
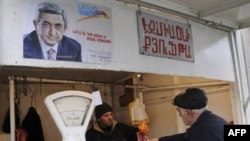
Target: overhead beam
{"points": [[224, 7]]}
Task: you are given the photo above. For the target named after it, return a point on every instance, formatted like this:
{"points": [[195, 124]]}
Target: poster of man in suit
{"points": [[67, 31]]}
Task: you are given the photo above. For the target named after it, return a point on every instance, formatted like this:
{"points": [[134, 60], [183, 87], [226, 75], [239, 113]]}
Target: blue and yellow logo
{"points": [[90, 12]]}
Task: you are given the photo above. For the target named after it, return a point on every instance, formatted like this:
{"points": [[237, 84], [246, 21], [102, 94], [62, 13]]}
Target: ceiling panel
{"points": [[233, 14], [231, 10]]}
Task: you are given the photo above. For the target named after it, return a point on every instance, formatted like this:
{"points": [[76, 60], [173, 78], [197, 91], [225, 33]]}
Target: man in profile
{"points": [[48, 41]]}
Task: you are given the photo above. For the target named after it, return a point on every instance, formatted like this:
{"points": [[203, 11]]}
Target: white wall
{"points": [[211, 47], [246, 49]]}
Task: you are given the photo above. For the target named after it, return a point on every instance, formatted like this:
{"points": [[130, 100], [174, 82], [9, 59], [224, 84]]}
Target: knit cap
{"points": [[102, 109]]}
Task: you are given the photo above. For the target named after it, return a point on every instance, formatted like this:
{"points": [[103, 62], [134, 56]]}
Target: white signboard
{"points": [[165, 38]]}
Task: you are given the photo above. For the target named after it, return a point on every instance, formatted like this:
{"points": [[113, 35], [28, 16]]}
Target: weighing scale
{"points": [[71, 111]]}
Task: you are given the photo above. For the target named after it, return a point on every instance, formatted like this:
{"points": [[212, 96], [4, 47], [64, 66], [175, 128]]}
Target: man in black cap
{"points": [[204, 125], [105, 128]]}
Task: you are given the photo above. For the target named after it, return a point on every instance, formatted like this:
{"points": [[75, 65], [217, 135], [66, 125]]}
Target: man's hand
{"points": [[21, 135]]}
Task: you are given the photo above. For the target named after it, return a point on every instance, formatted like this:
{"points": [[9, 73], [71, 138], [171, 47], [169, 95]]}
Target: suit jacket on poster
{"points": [[68, 49]]}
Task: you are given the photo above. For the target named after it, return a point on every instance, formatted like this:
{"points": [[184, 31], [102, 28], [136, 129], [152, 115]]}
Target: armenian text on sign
{"points": [[164, 38]]}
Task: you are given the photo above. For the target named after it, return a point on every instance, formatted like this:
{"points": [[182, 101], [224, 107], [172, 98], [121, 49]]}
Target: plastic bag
{"points": [[137, 112]]}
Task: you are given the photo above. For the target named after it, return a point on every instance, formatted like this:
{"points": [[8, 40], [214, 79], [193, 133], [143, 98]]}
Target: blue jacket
{"points": [[68, 49], [208, 127]]}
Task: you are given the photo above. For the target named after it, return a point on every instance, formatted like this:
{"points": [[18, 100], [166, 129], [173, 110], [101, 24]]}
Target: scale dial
{"points": [[72, 109]]}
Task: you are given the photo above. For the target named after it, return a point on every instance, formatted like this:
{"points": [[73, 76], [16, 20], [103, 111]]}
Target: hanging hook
{"points": [[32, 97], [137, 91], [24, 85]]}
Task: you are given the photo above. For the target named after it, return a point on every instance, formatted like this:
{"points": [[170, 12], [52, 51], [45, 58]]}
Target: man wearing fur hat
{"points": [[105, 128], [204, 125]]}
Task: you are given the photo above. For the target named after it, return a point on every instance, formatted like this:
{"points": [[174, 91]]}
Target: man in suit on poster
{"points": [[48, 41]]}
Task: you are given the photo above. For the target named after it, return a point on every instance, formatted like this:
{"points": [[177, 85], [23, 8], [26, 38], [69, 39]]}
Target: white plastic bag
{"points": [[137, 112]]}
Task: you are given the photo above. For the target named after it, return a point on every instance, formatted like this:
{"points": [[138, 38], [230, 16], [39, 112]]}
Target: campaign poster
{"points": [[63, 30]]}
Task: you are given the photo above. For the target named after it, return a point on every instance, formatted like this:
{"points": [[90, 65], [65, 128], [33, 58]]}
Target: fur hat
{"points": [[193, 98], [102, 109]]}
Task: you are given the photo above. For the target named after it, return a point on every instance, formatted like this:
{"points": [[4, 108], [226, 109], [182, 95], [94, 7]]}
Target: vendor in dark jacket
{"points": [[105, 128], [204, 125]]}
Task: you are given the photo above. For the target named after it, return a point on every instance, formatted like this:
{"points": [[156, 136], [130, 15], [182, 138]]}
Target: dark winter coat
{"points": [[119, 132], [208, 127], [33, 125]]}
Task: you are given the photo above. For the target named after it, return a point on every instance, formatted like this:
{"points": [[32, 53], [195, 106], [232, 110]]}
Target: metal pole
{"points": [[12, 108]]}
